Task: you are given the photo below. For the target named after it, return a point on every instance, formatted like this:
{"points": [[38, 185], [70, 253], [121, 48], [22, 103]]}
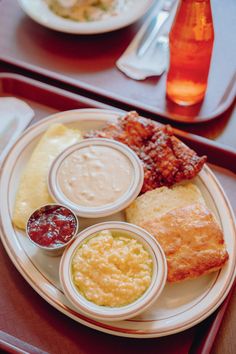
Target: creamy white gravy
{"points": [[95, 176]]}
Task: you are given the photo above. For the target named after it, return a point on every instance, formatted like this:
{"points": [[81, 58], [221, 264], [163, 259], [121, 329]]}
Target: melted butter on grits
{"points": [[111, 269]]}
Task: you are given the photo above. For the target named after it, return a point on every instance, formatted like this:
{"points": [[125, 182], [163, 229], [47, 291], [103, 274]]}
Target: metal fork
{"points": [[154, 26]]}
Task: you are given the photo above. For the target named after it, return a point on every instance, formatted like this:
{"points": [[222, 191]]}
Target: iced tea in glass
{"points": [[191, 42]]}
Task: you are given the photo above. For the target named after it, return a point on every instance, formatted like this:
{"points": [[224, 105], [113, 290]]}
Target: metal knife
{"points": [[154, 27]]}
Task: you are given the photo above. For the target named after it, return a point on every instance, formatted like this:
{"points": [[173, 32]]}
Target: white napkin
{"points": [[15, 115], [156, 60]]}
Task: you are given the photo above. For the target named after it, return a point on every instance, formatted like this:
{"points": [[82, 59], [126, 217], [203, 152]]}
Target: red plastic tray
{"points": [[88, 63], [27, 318]]}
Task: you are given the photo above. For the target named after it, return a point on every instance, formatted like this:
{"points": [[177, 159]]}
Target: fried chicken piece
{"points": [[166, 160]]}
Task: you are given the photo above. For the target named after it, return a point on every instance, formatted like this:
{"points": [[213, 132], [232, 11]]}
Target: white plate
{"points": [[39, 12], [180, 306]]}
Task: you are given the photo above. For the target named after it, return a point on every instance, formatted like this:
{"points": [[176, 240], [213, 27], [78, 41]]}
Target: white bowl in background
{"points": [[38, 10]]}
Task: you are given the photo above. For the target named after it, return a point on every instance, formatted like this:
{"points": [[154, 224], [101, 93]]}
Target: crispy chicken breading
{"points": [[166, 160]]}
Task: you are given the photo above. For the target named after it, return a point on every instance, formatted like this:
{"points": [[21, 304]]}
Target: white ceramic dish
{"points": [[103, 210], [179, 307], [105, 313], [39, 12]]}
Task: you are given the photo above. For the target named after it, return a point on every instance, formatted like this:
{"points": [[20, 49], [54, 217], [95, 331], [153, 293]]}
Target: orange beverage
{"points": [[191, 42]]}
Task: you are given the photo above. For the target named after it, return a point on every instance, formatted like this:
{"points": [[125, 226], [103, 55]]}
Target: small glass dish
{"points": [[68, 272], [105, 174], [52, 228]]}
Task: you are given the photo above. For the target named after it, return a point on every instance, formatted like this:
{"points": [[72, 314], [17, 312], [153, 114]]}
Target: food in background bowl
{"points": [[113, 271], [88, 10]]}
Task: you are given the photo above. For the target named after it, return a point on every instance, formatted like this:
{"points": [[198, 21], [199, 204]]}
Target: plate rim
{"points": [[87, 28], [62, 307]]}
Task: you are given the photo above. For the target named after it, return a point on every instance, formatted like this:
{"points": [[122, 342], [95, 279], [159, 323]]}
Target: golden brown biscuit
{"points": [[191, 239], [161, 200]]}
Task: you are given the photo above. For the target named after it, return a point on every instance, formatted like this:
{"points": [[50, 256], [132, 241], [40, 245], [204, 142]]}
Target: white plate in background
{"points": [[180, 306], [38, 10]]}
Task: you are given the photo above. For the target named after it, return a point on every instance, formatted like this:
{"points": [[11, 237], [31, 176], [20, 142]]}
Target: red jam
{"points": [[52, 226]]}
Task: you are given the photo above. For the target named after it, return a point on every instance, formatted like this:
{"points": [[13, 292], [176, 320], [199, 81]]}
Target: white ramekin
{"points": [[105, 210], [105, 313]]}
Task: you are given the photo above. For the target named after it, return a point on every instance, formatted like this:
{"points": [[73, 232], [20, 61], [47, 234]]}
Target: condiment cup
{"points": [[55, 250], [92, 211], [106, 313]]}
